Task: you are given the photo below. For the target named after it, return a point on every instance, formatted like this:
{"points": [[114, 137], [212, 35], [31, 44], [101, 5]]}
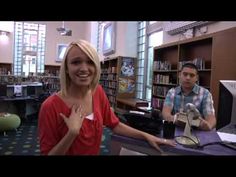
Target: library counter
{"points": [[208, 138]]}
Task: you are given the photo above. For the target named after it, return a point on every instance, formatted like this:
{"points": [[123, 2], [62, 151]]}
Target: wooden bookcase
{"points": [[216, 59], [52, 70], [116, 79], [5, 68], [51, 78], [165, 73], [6, 73]]}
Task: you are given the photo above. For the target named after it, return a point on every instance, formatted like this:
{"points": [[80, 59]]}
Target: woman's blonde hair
{"points": [[91, 52]]}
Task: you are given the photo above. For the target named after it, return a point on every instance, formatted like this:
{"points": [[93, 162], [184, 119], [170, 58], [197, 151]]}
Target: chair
{"points": [[9, 122]]}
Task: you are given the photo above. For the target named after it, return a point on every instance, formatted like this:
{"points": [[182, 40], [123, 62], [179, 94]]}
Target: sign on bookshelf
{"points": [[126, 85], [127, 68]]}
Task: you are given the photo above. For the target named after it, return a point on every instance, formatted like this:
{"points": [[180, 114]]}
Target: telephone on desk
{"points": [[188, 139], [195, 114], [182, 117]]}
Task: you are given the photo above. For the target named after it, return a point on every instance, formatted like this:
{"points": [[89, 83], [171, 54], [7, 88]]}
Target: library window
{"points": [[140, 59], [29, 49], [149, 36], [154, 39]]}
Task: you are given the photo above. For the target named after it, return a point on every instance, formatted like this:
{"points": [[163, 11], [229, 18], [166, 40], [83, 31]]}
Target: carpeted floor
{"points": [[25, 141]]}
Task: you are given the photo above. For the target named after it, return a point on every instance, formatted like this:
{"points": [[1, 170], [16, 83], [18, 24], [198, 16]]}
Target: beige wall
{"points": [[53, 37], [80, 30], [6, 47], [214, 27], [130, 39], [126, 39]]}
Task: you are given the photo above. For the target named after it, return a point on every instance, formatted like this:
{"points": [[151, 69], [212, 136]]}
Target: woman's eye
{"points": [[90, 62], [75, 62]]}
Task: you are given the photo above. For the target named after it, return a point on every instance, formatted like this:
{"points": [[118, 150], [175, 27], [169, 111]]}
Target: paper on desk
{"points": [[145, 108], [18, 90], [125, 151], [137, 112], [227, 137]]}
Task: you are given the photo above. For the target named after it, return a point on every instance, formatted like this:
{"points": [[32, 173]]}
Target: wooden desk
{"points": [[130, 103]]}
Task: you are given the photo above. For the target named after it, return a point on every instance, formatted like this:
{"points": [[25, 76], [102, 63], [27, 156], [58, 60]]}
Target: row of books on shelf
{"points": [[111, 77], [159, 90], [20, 79], [11, 79], [162, 65], [4, 71], [51, 72], [110, 91], [199, 62], [109, 84], [165, 65], [112, 99], [157, 103], [51, 86], [108, 77], [109, 70], [164, 79]]}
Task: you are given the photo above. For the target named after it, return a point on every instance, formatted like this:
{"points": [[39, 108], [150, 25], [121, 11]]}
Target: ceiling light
{"points": [[63, 31]]}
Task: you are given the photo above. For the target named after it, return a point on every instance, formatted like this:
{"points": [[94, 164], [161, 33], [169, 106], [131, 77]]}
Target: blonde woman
{"points": [[71, 121]]}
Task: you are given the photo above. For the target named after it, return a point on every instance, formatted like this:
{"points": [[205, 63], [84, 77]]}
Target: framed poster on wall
{"points": [[108, 46], [61, 49]]}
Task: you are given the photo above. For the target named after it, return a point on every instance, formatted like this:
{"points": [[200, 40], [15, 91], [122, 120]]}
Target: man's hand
{"points": [[204, 125], [181, 119]]}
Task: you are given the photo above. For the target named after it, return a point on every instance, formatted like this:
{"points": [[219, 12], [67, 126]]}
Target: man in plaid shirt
{"points": [[190, 92]]}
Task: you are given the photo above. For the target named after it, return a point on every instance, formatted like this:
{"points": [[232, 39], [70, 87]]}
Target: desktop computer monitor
{"points": [[226, 104], [34, 89], [3, 90], [16, 90], [31, 90]]}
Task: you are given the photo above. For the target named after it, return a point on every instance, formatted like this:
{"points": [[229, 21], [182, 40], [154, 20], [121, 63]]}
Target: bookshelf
{"points": [[165, 73], [118, 78], [5, 68], [52, 70], [213, 53], [50, 78]]}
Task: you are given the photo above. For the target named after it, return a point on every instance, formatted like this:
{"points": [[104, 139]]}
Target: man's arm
{"points": [[209, 114], [168, 105], [208, 123], [166, 113]]}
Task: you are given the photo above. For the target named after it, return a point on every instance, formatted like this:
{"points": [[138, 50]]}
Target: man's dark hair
{"points": [[190, 65]]}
